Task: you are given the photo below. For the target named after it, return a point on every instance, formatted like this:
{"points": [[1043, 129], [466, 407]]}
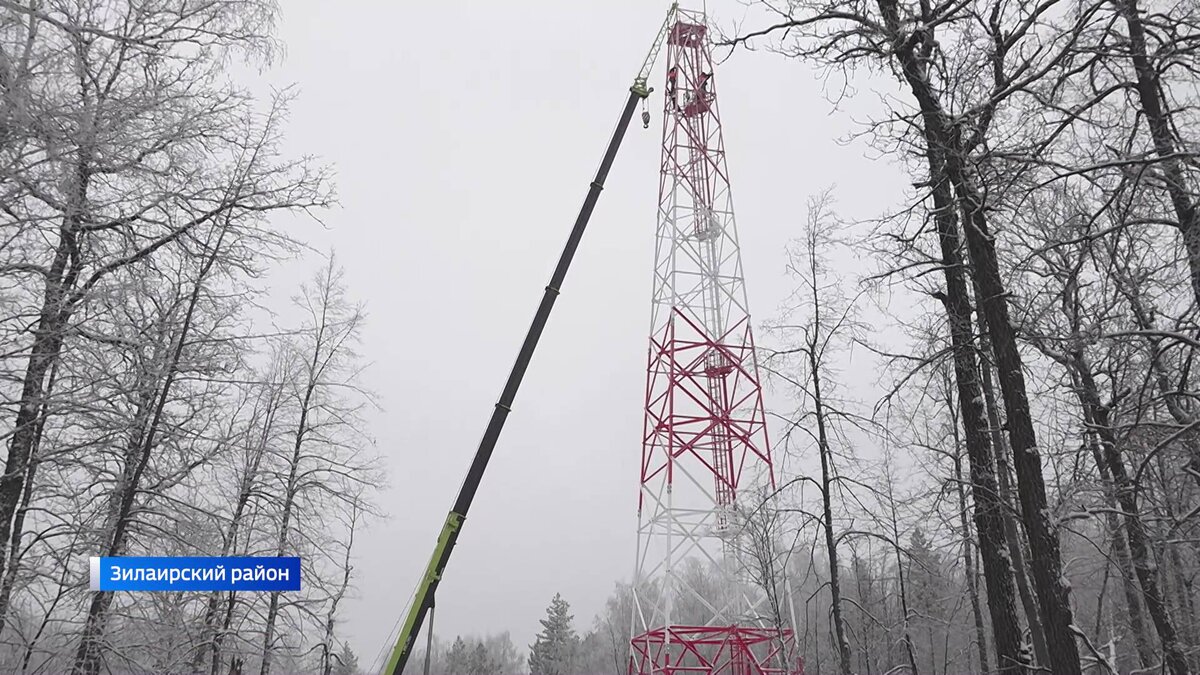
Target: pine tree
{"points": [[346, 662], [458, 658], [481, 662], [925, 593], [553, 651]]}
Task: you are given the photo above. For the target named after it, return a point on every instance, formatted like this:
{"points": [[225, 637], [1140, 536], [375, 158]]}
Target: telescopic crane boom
{"points": [[423, 599]]}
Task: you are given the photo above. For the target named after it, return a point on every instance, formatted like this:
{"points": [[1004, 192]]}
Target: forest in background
{"points": [[1024, 497]]}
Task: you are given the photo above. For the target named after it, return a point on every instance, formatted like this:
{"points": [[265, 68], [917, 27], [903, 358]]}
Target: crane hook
{"points": [[645, 115]]}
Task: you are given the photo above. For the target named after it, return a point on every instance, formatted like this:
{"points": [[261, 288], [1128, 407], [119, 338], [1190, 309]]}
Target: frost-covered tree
{"points": [[553, 651], [345, 662]]}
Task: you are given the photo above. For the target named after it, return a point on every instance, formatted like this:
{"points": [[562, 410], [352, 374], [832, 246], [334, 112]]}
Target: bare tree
{"points": [[1070, 268], [161, 362], [136, 148], [967, 552], [145, 416], [904, 39], [828, 321], [322, 468], [339, 593]]}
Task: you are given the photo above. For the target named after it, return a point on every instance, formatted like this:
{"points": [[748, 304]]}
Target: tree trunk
{"points": [[1120, 549], [18, 528], [1174, 399], [1182, 583], [902, 587], [142, 443], [969, 558], [1160, 122], [137, 454], [1054, 596], [864, 621], [209, 641], [219, 635], [1185, 591], [289, 499], [63, 588], [1012, 535], [843, 645], [1142, 557], [53, 318], [331, 617], [1011, 657], [1119, 542]]}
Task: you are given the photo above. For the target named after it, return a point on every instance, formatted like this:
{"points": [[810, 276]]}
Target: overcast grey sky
{"points": [[464, 135]]}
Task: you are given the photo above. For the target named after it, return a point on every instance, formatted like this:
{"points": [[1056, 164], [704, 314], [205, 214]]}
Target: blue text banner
{"points": [[195, 574]]}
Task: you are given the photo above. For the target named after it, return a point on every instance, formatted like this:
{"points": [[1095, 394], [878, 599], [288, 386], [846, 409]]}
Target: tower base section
{"points": [[714, 650]]}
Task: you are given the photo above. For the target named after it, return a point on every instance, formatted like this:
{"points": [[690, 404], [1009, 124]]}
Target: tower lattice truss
{"points": [[709, 589]]}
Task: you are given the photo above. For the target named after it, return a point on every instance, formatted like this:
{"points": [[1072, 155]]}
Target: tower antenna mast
{"points": [[705, 434]]}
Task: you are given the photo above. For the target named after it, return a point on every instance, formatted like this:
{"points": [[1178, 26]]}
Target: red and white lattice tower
{"points": [[697, 607]]}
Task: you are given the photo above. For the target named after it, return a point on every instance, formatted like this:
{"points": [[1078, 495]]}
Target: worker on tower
{"points": [[672, 78], [703, 86]]}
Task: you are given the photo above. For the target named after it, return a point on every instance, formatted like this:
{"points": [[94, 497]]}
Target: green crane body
{"points": [[423, 600]]}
